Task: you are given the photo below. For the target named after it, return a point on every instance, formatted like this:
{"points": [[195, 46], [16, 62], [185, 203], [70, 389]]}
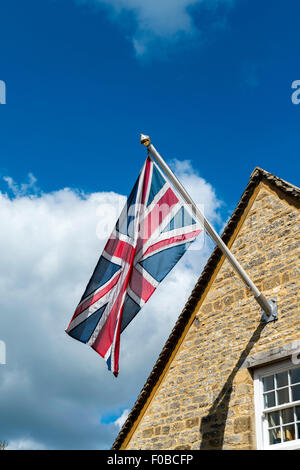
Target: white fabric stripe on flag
{"points": [[163, 248], [113, 346], [155, 235], [174, 243], [88, 312], [114, 295], [135, 297], [98, 290], [156, 198], [123, 238], [146, 275], [186, 206], [149, 183], [107, 354], [114, 259]]}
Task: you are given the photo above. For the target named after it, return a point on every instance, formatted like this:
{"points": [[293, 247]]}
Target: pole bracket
{"points": [[274, 315]]}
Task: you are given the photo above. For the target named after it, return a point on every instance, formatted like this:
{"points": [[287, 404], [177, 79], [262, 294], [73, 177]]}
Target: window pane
{"points": [[295, 376], [268, 383], [269, 399], [298, 414], [273, 419], [282, 379], [283, 396], [275, 436], [287, 415], [289, 433], [296, 392], [298, 430]]}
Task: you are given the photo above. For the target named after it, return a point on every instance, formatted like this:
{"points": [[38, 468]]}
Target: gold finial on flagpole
{"points": [[145, 140]]}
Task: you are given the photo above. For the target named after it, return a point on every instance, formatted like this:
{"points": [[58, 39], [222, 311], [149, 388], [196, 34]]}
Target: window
{"points": [[277, 406]]}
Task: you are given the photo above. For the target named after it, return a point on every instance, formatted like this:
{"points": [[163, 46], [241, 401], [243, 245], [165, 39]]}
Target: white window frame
{"points": [[262, 437]]}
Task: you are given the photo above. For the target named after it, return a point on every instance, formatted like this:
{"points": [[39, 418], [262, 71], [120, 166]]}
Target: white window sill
{"points": [[292, 445]]}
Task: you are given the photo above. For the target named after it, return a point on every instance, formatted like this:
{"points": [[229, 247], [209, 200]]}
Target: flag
{"points": [[154, 230]]}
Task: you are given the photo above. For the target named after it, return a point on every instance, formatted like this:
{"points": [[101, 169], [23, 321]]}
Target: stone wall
{"points": [[205, 399]]}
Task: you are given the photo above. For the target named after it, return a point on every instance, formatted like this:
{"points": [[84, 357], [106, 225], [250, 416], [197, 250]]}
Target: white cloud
{"points": [[167, 20], [202, 192], [55, 390], [121, 420], [24, 188], [25, 444]]}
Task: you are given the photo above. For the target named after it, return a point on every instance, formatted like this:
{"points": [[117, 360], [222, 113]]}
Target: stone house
{"points": [[225, 380]]}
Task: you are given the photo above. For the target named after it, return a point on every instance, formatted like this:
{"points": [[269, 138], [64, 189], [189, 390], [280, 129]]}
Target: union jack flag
{"points": [[151, 235]]}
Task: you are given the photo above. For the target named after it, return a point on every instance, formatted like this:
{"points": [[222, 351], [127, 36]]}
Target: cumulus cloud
{"points": [[24, 188], [25, 444], [121, 420], [202, 192], [54, 390], [156, 20]]}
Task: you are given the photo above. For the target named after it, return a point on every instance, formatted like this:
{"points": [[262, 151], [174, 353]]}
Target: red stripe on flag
{"points": [[140, 286], [105, 337], [156, 216], [171, 241], [118, 248], [87, 303], [146, 179]]}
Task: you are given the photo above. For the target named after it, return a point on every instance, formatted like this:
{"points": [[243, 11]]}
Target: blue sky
{"points": [[78, 95], [211, 83]]}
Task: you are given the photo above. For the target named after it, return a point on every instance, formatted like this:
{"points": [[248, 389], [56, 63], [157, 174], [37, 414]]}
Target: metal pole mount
{"points": [[274, 311]]}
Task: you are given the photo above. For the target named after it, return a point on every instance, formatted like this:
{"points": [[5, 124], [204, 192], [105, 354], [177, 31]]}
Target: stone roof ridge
{"points": [[279, 182]]}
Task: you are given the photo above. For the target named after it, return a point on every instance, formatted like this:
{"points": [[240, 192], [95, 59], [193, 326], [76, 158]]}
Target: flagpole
{"points": [[269, 307]]}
